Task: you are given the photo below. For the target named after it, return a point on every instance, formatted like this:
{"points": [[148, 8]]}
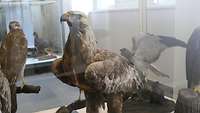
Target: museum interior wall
{"points": [[107, 23], [186, 20]]}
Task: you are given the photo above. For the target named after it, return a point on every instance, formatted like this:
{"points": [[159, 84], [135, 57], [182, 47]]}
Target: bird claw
{"points": [[63, 109], [22, 85]]}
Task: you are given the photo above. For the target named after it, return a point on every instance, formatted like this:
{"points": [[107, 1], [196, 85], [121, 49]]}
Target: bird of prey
{"points": [[41, 45], [147, 49], [193, 59], [5, 96], [13, 57], [102, 74]]}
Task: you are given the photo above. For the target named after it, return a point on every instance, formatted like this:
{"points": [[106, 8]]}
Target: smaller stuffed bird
{"points": [[147, 49], [41, 45], [13, 58]]}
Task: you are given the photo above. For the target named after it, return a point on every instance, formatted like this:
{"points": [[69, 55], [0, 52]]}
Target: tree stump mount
{"points": [[188, 102]]}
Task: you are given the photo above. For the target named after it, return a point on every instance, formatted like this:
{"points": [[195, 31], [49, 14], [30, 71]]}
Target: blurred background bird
{"points": [[147, 49], [42, 46], [13, 58]]}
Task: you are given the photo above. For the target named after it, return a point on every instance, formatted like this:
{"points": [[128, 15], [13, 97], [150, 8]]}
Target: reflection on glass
{"points": [[35, 16]]}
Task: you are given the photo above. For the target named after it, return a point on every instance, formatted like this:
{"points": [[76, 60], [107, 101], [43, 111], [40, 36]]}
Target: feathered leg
{"points": [[5, 96], [115, 103], [79, 104], [22, 76], [93, 102], [80, 92], [57, 68], [13, 98]]}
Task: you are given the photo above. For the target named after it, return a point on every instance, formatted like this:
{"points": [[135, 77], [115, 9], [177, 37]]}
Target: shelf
{"points": [[38, 2], [31, 61]]}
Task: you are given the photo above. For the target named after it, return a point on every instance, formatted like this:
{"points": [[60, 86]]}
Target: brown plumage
{"points": [[5, 96], [103, 75], [13, 57], [70, 69]]}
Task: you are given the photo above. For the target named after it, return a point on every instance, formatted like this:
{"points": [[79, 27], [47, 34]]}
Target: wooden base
{"points": [[188, 102], [132, 106]]}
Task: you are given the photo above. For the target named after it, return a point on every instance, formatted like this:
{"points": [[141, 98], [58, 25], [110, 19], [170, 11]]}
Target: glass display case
{"points": [[45, 42], [106, 48]]}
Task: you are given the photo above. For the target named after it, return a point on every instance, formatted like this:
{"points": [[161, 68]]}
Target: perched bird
{"points": [[13, 57], [147, 49], [70, 69], [5, 96], [40, 44], [103, 75], [193, 59]]}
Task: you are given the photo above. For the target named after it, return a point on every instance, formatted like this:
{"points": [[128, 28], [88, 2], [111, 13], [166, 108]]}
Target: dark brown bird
{"points": [[13, 57], [103, 75]]}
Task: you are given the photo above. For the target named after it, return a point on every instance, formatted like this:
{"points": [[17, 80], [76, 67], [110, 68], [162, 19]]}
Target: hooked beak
{"points": [[64, 17]]}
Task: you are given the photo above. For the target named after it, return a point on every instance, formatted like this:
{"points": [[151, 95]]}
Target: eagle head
{"points": [[14, 25], [75, 19]]}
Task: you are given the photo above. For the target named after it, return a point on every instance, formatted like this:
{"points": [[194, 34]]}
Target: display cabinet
{"points": [[139, 54], [40, 23]]}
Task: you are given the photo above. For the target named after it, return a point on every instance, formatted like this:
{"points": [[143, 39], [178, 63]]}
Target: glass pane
{"points": [[160, 21], [107, 48], [39, 20], [36, 20]]}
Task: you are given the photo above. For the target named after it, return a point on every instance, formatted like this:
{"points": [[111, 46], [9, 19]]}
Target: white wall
{"points": [[114, 30], [186, 20]]}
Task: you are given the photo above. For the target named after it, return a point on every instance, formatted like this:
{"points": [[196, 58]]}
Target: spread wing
{"points": [[149, 48], [193, 59], [111, 73]]}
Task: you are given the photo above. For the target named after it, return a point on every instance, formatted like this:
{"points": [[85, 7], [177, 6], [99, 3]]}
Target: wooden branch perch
{"points": [[28, 89], [79, 104]]}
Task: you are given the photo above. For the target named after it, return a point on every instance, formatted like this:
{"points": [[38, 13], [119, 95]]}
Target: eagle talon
{"points": [[22, 84], [63, 109]]}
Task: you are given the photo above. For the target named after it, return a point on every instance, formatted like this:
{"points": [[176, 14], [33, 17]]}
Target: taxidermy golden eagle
{"points": [[5, 99], [103, 75], [13, 53]]}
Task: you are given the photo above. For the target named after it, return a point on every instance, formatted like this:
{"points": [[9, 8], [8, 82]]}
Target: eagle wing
{"points": [[111, 73], [61, 73]]}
